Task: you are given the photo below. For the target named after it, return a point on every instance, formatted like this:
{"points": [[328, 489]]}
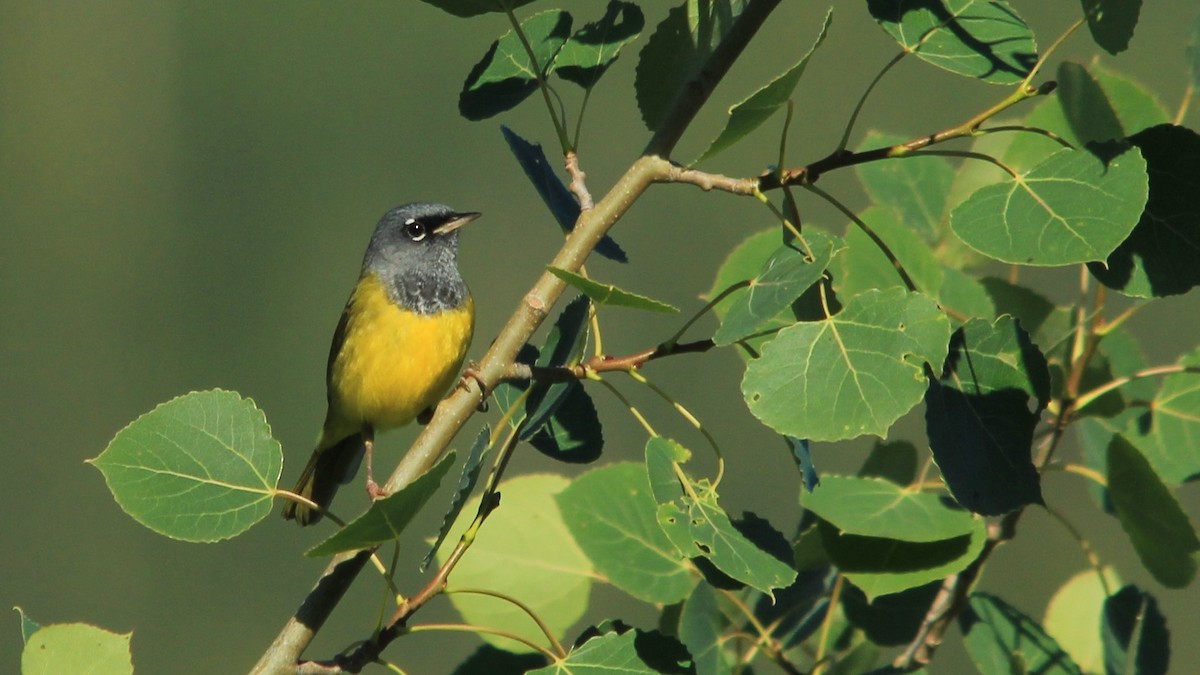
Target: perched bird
{"points": [[397, 349]]}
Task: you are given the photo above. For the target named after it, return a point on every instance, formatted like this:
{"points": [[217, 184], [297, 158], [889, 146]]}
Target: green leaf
{"points": [[466, 483], [633, 652], [1088, 111], [881, 566], [505, 76], [76, 648], [678, 47], [964, 294], [201, 467], [564, 345], [773, 289], [588, 53], [550, 188], [872, 507], [1073, 617], [890, 620], [468, 8], [611, 515], [1137, 108], [1160, 531], [28, 625], [387, 517], [979, 416], [915, 187], [1049, 326], [743, 263], [1133, 623], [748, 115], [984, 39], [1071, 208], [1157, 259], [1167, 432], [607, 294], [1112, 22], [702, 628], [573, 434], [1001, 639], [852, 374], [543, 566], [864, 266], [697, 525]]}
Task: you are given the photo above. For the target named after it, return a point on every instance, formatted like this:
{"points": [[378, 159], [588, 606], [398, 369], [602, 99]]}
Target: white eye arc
{"points": [[414, 229]]}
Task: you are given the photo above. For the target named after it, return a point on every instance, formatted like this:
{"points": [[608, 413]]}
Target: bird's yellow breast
{"points": [[395, 363]]}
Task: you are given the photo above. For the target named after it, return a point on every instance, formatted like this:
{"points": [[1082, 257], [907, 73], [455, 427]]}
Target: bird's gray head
{"points": [[414, 252]]}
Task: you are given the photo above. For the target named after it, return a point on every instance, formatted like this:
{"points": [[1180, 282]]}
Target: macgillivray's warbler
{"points": [[397, 349]]}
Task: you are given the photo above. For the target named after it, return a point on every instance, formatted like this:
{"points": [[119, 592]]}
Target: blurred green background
{"points": [[186, 191]]}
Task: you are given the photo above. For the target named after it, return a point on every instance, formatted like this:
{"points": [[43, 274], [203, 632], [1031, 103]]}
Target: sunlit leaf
{"points": [[981, 413], [1159, 529], [1133, 623], [676, 49], [852, 374], [76, 648], [749, 114], [701, 629], [1001, 639], [1073, 617], [505, 75], [552, 191], [592, 49], [1112, 22], [543, 566], [633, 652], [1168, 431], [607, 294], [774, 287], [1158, 258], [880, 566], [984, 39], [872, 507], [864, 266], [1088, 111], [1071, 208], [202, 467], [914, 187], [388, 517], [611, 514]]}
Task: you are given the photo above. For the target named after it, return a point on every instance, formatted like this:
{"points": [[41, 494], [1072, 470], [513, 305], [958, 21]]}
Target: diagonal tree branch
{"points": [[284, 653]]}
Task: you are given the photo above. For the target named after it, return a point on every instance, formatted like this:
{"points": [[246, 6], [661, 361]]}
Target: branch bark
{"points": [[452, 414]]}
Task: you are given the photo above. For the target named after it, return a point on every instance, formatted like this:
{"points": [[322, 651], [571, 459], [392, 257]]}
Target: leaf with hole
{"points": [[611, 515], [852, 374]]}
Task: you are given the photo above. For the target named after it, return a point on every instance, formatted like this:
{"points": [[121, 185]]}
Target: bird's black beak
{"points": [[456, 221]]}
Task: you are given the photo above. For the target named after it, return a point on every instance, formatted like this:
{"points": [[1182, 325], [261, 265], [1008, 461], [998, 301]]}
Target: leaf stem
{"points": [[691, 419], [558, 648], [540, 75], [883, 247], [484, 630], [862, 100]]}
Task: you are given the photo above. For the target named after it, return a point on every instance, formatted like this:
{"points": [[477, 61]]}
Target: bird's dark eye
{"points": [[415, 230]]}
